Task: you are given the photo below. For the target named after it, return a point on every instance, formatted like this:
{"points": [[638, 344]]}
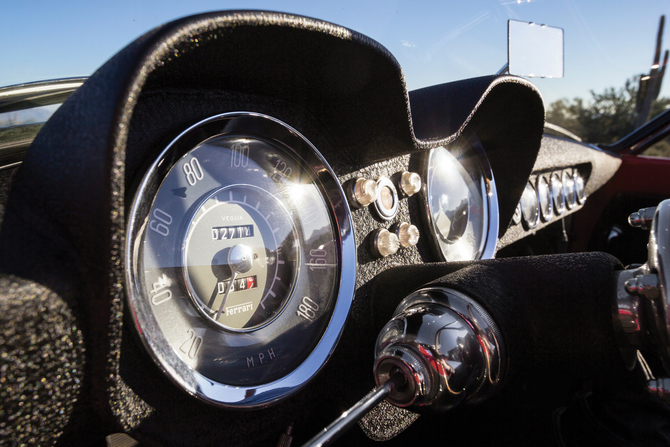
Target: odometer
{"points": [[241, 260]]}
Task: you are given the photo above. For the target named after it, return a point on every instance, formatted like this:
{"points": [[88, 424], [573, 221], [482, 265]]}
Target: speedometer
{"points": [[461, 207], [240, 260]]}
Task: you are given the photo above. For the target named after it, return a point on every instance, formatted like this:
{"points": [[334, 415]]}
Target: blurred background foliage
{"points": [[611, 115], [606, 117]]}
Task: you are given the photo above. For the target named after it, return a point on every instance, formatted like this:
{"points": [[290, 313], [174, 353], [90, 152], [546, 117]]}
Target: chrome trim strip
{"points": [[562, 131], [40, 89]]}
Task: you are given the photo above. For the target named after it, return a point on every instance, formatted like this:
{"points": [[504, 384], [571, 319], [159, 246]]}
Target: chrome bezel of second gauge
{"points": [[467, 150]]}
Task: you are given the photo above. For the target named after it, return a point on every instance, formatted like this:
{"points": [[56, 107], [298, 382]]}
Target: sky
{"points": [[606, 42]]}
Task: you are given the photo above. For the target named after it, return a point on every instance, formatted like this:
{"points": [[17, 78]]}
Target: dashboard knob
{"points": [[408, 234], [363, 192], [384, 243], [410, 183]]}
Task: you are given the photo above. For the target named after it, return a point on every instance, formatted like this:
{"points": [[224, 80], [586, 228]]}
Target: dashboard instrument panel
{"points": [[241, 258]]}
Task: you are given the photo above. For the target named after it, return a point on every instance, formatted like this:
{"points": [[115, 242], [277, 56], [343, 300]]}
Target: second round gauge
{"points": [[240, 256], [461, 202]]}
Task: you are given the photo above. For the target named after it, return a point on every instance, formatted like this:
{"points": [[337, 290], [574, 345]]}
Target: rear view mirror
{"points": [[534, 50]]}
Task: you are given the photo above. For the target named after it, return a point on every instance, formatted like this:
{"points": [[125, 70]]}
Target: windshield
{"points": [[609, 46]]}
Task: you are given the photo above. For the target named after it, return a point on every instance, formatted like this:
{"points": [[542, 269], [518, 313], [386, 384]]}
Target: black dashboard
{"points": [[171, 320]]}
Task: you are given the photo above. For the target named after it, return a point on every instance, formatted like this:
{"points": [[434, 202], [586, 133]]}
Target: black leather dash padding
{"points": [[391, 286], [349, 82], [554, 312]]}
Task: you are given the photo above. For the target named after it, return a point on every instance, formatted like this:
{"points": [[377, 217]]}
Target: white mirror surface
{"points": [[534, 50]]}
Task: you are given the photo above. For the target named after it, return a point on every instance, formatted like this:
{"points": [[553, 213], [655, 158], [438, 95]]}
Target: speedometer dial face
{"points": [[240, 257], [461, 202], [241, 260]]}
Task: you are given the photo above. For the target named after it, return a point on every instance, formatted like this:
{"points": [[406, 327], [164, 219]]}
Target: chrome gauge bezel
{"points": [[516, 217], [275, 132], [489, 198], [556, 185], [580, 187], [545, 198], [569, 189], [530, 212]]}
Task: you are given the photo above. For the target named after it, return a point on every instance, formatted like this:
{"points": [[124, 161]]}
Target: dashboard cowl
{"points": [[64, 224]]}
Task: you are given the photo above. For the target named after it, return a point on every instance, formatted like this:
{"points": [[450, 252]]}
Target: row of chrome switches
{"points": [[384, 196]]}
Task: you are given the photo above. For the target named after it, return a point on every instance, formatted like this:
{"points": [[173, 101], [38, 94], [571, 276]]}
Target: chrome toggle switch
{"points": [[643, 285], [642, 218]]}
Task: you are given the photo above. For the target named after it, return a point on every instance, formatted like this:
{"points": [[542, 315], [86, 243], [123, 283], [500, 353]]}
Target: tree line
{"points": [[606, 118]]}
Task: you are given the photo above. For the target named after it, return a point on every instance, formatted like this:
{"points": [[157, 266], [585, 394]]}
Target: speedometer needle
{"points": [[240, 260]]}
